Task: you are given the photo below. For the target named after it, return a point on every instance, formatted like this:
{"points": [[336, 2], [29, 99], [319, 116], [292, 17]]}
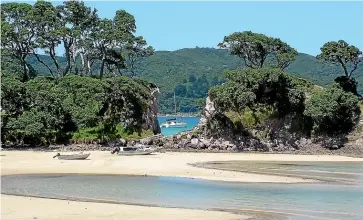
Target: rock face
{"points": [[150, 115], [217, 133]]}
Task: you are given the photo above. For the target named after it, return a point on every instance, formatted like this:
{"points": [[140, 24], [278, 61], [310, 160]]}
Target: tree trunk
{"points": [[344, 68], [102, 66], [68, 59], [54, 58], [42, 62], [88, 67], [25, 69], [83, 63], [74, 55]]}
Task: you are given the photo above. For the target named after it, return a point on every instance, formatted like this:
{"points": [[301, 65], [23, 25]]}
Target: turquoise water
{"points": [[191, 121], [289, 201]]}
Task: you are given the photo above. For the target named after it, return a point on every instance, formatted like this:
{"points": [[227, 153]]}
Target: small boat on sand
{"points": [[80, 156], [130, 151]]}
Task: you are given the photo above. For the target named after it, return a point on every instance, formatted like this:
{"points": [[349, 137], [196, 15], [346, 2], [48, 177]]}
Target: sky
{"points": [[306, 26]]}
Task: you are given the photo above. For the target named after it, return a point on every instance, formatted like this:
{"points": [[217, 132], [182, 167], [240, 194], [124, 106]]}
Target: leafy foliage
{"points": [[254, 49], [343, 54], [89, 42], [258, 88], [333, 111], [43, 110]]}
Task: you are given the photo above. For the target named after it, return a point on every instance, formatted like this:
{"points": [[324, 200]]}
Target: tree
{"points": [[333, 111], [258, 88], [48, 33], [284, 54], [135, 50], [254, 49], [341, 53], [18, 30], [180, 90], [76, 21]]}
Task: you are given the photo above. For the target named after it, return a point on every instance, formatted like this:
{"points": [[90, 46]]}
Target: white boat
{"points": [[173, 123], [79, 156], [130, 151]]}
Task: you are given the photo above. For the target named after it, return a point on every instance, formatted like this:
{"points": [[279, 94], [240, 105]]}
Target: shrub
{"points": [[256, 88], [333, 111]]}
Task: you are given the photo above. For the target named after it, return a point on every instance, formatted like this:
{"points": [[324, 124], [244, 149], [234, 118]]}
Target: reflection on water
{"points": [[295, 201]]}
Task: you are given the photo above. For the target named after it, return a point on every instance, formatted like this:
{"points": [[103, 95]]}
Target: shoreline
{"points": [[55, 208], [169, 164]]}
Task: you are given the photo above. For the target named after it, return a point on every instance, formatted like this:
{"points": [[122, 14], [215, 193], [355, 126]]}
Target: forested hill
{"points": [[190, 72], [183, 71], [169, 69]]}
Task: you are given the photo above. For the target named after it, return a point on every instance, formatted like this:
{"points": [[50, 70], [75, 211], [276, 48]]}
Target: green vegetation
{"points": [[80, 97], [348, 57], [92, 46], [254, 49], [170, 69], [333, 111], [43, 110], [255, 94], [97, 134], [253, 91]]}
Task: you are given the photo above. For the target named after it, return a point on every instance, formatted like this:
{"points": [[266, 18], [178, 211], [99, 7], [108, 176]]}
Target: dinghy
{"points": [[80, 156]]}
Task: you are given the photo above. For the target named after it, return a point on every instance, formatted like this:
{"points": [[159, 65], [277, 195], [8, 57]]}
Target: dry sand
{"points": [[160, 164]]}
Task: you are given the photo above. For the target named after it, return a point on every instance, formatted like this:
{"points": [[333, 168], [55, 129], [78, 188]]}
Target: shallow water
{"points": [[335, 172], [191, 123], [295, 201]]}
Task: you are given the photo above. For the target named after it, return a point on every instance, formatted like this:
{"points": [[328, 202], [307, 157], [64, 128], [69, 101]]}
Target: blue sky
{"points": [[306, 26]]}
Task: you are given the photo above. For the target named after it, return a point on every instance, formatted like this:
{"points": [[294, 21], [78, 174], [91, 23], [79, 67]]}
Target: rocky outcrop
{"points": [[216, 133], [151, 113]]}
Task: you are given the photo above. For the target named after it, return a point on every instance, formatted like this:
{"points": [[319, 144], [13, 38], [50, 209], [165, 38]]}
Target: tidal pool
{"points": [[287, 201]]}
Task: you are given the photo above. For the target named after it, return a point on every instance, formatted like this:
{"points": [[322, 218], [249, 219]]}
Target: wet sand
{"points": [[15, 207], [159, 164]]}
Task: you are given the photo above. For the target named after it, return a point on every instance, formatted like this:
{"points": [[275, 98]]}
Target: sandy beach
{"points": [[51, 209], [159, 164]]}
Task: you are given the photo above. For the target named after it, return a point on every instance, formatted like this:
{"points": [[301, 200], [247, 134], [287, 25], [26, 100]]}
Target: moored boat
{"points": [[173, 123]]}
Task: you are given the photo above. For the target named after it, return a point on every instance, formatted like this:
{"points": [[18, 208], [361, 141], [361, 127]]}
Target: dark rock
{"points": [[201, 145]]}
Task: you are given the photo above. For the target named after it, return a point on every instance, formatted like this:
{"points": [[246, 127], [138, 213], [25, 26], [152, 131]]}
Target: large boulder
{"points": [[194, 142]]}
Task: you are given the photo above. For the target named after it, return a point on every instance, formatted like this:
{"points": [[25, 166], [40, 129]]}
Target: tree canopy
{"points": [[254, 48], [88, 41], [258, 88], [43, 110], [341, 53], [333, 111]]}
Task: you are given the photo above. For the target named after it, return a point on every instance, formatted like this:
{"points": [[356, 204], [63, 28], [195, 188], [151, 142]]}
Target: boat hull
{"points": [[125, 153], [73, 157], [177, 126]]}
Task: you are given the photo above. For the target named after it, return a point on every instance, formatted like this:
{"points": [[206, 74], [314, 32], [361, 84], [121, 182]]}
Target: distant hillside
{"points": [[195, 70], [169, 69]]}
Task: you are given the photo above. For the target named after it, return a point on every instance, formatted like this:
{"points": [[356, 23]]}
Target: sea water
{"points": [[191, 123], [292, 201]]}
